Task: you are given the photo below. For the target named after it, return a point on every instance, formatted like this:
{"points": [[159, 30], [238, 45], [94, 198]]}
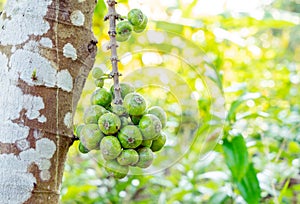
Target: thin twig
{"points": [[112, 16]]}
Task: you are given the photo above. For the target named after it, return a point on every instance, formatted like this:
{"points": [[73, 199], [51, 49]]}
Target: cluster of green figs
{"points": [[136, 21], [127, 134]]}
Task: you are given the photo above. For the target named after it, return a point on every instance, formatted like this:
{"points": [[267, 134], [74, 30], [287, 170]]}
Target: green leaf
{"points": [[236, 156], [219, 198], [231, 116], [249, 186], [170, 27], [283, 191]]}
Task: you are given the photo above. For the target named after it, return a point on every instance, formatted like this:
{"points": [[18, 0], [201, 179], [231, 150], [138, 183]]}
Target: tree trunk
{"points": [[47, 49]]}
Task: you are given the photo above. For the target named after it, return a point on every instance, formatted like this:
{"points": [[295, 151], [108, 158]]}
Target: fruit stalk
{"points": [[112, 16]]}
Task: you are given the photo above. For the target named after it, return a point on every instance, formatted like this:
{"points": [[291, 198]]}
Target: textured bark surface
{"points": [[47, 49]]}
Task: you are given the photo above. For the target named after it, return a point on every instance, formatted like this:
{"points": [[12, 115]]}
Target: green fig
{"points": [[97, 73], [101, 97], [128, 157], [159, 143], [93, 113], [124, 30], [115, 169], [90, 136], [124, 121], [126, 88], [109, 123], [136, 17], [130, 136], [136, 119], [135, 104], [99, 83], [82, 148], [146, 143], [150, 126], [110, 147], [119, 110], [145, 157], [160, 113], [142, 27], [78, 130]]}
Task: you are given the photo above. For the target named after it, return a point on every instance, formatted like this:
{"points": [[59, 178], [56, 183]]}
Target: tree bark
{"points": [[47, 49]]}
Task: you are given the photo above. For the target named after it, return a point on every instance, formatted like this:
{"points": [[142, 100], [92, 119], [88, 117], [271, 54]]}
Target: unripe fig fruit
{"points": [[115, 169], [126, 88], [135, 104], [150, 126], [159, 142], [122, 38], [145, 157], [124, 121], [101, 97], [110, 147], [78, 130], [142, 27], [97, 73], [124, 30], [93, 113], [128, 157], [136, 17], [136, 119], [119, 110], [146, 143], [82, 148], [160, 113], [109, 123], [130, 136], [90, 136], [99, 82]]}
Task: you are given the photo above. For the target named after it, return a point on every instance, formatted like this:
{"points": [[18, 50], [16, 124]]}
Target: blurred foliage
{"points": [[256, 57]]}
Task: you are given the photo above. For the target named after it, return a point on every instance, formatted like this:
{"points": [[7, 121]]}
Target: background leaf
{"points": [[249, 186], [236, 156]]}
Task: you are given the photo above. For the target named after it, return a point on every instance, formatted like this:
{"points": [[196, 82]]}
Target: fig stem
{"points": [[112, 16]]}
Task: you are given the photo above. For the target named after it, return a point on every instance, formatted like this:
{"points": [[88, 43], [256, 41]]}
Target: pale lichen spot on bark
{"points": [[80, 1], [46, 42], [65, 80], [27, 60], [23, 144], [77, 18], [3, 63], [21, 22], [68, 120], [12, 132], [45, 175], [42, 119], [11, 103], [33, 105], [15, 175], [43, 164], [69, 51], [32, 46], [19, 180], [45, 148], [24, 62]]}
